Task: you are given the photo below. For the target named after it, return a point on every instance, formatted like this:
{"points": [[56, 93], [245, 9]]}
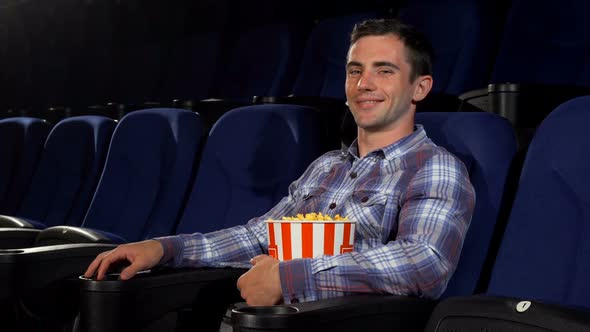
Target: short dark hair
{"points": [[420, 53]]}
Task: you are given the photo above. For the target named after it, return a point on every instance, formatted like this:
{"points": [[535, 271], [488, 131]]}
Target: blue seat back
{"points": [[147, 173], [323, 67], [266, 56], [70, 165], [545, 42], [545, 250], [21, 143], [462, 35], [252, 155], [486, 144]]}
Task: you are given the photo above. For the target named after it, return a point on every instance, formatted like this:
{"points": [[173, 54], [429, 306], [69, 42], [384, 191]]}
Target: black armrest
{"points": [[487, 313], [13, 238], [14, 222], [25, 270], [350, 313], [114, 305], [68, 235], [525, 105]]}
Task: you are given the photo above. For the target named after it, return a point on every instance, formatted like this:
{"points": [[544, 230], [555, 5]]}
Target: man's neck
{"points": [[373, 140]]}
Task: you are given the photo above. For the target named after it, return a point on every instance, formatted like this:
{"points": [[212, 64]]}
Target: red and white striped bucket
{"points": [[290, 239]]}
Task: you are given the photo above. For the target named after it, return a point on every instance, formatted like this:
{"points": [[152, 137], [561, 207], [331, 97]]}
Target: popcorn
{"points": [[315, 217]]}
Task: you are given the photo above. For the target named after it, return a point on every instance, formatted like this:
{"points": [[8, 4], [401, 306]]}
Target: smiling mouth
{"points": [[368, 103]]}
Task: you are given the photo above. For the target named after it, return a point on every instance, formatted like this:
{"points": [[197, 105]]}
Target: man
{"points": [[411, 199]]}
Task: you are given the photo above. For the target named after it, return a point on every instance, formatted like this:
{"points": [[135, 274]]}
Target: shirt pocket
{"points": [[309, 199], [367, 208]]}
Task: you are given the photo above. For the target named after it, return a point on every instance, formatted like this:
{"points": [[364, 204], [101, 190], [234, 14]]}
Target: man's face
{"points": [[378, 88]]}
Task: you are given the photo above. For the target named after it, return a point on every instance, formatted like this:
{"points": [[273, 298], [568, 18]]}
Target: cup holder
{"points": [[270, 310], [11, 251]]}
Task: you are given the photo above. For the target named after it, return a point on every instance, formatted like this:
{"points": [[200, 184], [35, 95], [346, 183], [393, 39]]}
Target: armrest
{"points": [[487, 313], [25, 270], [349, 313], [13, 238], [525, 105], [67, 234], [14, 222], [114, 305]]}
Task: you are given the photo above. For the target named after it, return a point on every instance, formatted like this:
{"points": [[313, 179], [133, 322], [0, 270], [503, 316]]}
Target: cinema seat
{"points": [[71, 162], [486, 144], [539, 280]]}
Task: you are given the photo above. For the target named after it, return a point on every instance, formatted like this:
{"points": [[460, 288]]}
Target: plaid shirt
{"points": [[412, 201]]}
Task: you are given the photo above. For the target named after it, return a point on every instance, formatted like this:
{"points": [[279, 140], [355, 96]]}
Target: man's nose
{"points": [[366, 82]]}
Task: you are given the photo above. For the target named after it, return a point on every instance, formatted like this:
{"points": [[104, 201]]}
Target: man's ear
{"points": [[423, 86]]}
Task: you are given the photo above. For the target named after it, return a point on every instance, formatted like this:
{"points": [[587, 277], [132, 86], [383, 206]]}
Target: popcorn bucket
{"points": [[290, 239]]}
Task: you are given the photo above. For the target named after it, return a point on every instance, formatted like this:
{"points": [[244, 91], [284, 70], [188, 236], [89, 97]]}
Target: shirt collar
{"points": [[390, 152]]}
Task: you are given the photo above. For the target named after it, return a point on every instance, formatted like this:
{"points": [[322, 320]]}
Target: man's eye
{"points": [[385, 72], [354, 72]]}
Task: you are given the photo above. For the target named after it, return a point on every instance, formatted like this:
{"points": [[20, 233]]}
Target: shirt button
{"points": [[332, 206], [294, 300], [364, 199], [353, 175]]}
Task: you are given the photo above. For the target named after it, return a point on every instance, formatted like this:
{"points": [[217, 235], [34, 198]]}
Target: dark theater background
{"points": [[124, 120]]}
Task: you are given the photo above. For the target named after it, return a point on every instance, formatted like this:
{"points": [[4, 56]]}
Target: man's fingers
{"points": [[257, 259], [94, 265], [130, 271], [106, 262]]}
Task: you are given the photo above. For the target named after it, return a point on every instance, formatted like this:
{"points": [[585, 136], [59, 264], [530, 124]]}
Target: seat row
{"points": [[249, 166], [536, 281]]}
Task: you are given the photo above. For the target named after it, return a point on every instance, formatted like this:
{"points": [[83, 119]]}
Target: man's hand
{"points": [[262, 284], [142, 256]]}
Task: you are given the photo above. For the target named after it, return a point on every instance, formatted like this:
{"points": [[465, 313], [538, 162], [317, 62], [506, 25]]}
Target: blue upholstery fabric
{"points": [[462, 35], [252, 155], [545, 42], [267, 57], [21, 142], [322, 70], [147, 174], [545, 251], [69, 169], [194, 57], [486, 144]]}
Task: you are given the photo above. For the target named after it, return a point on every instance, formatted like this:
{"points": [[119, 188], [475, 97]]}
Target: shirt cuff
{"points": [[297, 281], [173, 247]]}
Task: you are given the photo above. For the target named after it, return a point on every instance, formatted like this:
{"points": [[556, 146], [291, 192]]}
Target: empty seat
{"points": [[67, 174], [539, 280], [146, 176], [253, 153], [322, 71], [21, 143], [463, 37], [265, 56], [533, 51], [141, 193]]}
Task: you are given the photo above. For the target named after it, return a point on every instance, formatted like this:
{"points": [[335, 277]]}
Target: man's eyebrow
{"points": [[375, 64], [353, 64], [385, 64]]}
